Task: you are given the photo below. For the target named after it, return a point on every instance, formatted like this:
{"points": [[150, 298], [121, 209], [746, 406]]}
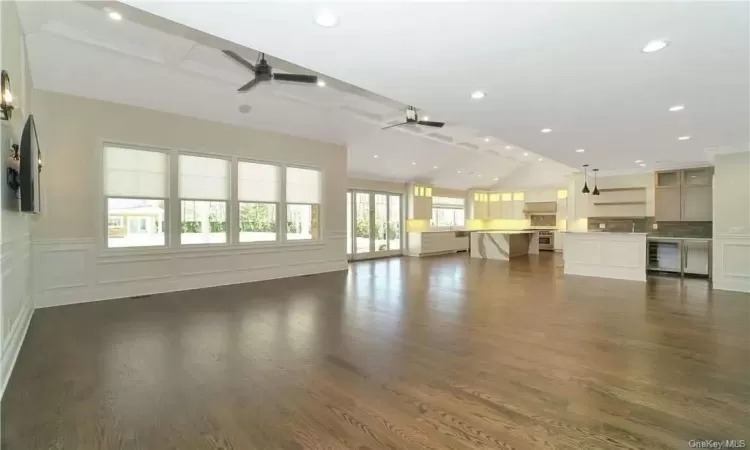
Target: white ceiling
{"points": [[144, 61], [574, 67]]}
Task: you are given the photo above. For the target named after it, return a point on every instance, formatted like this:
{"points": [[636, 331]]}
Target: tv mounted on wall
{"points": [[30, 168]]}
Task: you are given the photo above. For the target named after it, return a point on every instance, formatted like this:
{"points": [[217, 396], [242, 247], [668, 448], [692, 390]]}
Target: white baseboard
{"points": [[13, 347]]}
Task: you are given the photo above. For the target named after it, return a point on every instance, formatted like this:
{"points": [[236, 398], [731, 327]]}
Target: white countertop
{"points": [[669, 238], [505, 232], [606, 232]]}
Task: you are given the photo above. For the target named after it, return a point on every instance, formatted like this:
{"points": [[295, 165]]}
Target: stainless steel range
{"points": [[547, 240]]}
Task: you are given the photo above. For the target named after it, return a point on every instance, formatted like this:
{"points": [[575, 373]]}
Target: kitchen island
{"points": [[605, 254], [503, 245]]}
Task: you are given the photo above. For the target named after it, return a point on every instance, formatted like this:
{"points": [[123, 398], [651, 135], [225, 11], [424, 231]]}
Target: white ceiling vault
{"points": [[148, 62], [574, 67]]}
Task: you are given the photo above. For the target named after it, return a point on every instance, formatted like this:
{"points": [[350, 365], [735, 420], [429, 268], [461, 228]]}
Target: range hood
{"points": [[540, 208]]}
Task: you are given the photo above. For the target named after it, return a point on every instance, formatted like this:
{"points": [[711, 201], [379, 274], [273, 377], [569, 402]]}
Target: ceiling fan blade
{"points": [[430, 123], [239, 59], [249, 85], [295, 77], [391, 126]]}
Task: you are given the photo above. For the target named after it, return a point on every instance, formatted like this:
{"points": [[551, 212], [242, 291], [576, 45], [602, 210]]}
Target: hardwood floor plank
{"points": [[404, 353]]}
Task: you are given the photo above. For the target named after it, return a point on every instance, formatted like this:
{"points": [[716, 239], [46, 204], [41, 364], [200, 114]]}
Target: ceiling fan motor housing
{"points": [[263, 71]]}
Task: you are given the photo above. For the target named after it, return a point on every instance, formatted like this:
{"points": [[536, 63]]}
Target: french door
{"points": [[374, 225]]}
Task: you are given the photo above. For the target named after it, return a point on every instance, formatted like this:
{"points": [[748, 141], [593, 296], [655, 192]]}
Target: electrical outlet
{"points": [[655, 226], [736, 229], [602, 226]]}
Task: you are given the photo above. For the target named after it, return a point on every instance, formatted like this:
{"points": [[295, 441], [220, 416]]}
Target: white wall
{"points": [[16, 304], [731, 243], [74, 266]]}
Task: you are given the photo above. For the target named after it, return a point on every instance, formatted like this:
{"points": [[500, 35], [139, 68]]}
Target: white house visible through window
{"points": [[204, 193], [259, 192], [303, 198], [135, 190], [447, 212]]}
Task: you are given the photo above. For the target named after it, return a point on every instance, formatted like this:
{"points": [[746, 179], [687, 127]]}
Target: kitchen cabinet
{"points": [[518, 206], [669, 178], [496, 206], [699, 176], [562, 208], [695, 257], [689, 198], [479, 205], [420, 202], [668, 204], [506, 205], [697, 203]]}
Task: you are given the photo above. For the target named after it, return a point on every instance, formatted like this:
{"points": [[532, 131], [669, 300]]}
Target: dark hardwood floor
{"points": [[431, 353]]}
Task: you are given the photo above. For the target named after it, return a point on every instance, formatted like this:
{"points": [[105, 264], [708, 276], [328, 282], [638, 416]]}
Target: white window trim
{"points": [[172, 202]]}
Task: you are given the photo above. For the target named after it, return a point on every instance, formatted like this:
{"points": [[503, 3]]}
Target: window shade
{"points": [[447, 202], [258, 182], [203, 178], [303, 186], [135, 173]]}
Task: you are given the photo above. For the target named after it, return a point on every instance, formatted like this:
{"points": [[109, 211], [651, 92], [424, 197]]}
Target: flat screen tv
{"points": [[29, 173]]}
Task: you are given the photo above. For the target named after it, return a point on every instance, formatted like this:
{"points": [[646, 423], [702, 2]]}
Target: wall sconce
{"points": [[13, 177], [6, 96]]}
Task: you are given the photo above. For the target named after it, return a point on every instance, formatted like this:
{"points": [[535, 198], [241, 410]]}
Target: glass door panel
{"points": [[348, 223], [394, 222], [380, 232], [363, 223]]}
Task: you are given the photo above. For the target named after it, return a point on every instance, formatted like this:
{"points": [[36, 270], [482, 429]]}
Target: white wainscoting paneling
{"points": [[731, 261], [16, 302], [118, 275]]}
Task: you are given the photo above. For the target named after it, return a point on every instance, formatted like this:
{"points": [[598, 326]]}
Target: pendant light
{"points": [[596, 188], [585, 189]]}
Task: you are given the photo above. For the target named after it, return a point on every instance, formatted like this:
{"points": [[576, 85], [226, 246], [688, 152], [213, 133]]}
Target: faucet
{"points": [[633, 229]]}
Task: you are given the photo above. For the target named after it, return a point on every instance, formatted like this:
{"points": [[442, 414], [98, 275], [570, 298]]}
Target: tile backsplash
{"points": [[645, 225], [539, 220]]}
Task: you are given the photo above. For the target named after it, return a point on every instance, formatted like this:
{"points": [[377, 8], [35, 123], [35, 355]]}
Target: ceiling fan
{"points": [[413, 117], [264, 72]]}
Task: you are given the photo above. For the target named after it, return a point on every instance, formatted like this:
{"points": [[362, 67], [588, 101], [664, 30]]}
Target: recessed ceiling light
{"points": [[327, 19], [638, 161], [642, 165], [426, 118], [413, 163], [655, 46], [321, 83], [486, 139], [434, 167], [479, 175], [525, 153], [580, 150], [374, 156], [495, 179], [114, 15], [477, 95], [540, 160], [244, 109], [458, 171], [546, 130], [677, 108], [508, 147], [683, 138]]}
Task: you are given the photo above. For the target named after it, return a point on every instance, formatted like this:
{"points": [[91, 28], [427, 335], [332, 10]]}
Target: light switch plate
{"points": [[602, 226], [655, 226]]}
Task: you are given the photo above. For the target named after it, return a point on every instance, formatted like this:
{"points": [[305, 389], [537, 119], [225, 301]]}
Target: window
{"points": [[258, 191], [204, 192], [447, 212], [114, 222], [135, 189], [303, 197]]}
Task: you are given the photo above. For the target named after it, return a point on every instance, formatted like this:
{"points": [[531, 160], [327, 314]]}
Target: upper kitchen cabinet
{"points": [[495, 206], [519, 203], [697, 203], [420, 202], [668, 179], [506, 205], [668, 203], [480, 205], [699, 176]]}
